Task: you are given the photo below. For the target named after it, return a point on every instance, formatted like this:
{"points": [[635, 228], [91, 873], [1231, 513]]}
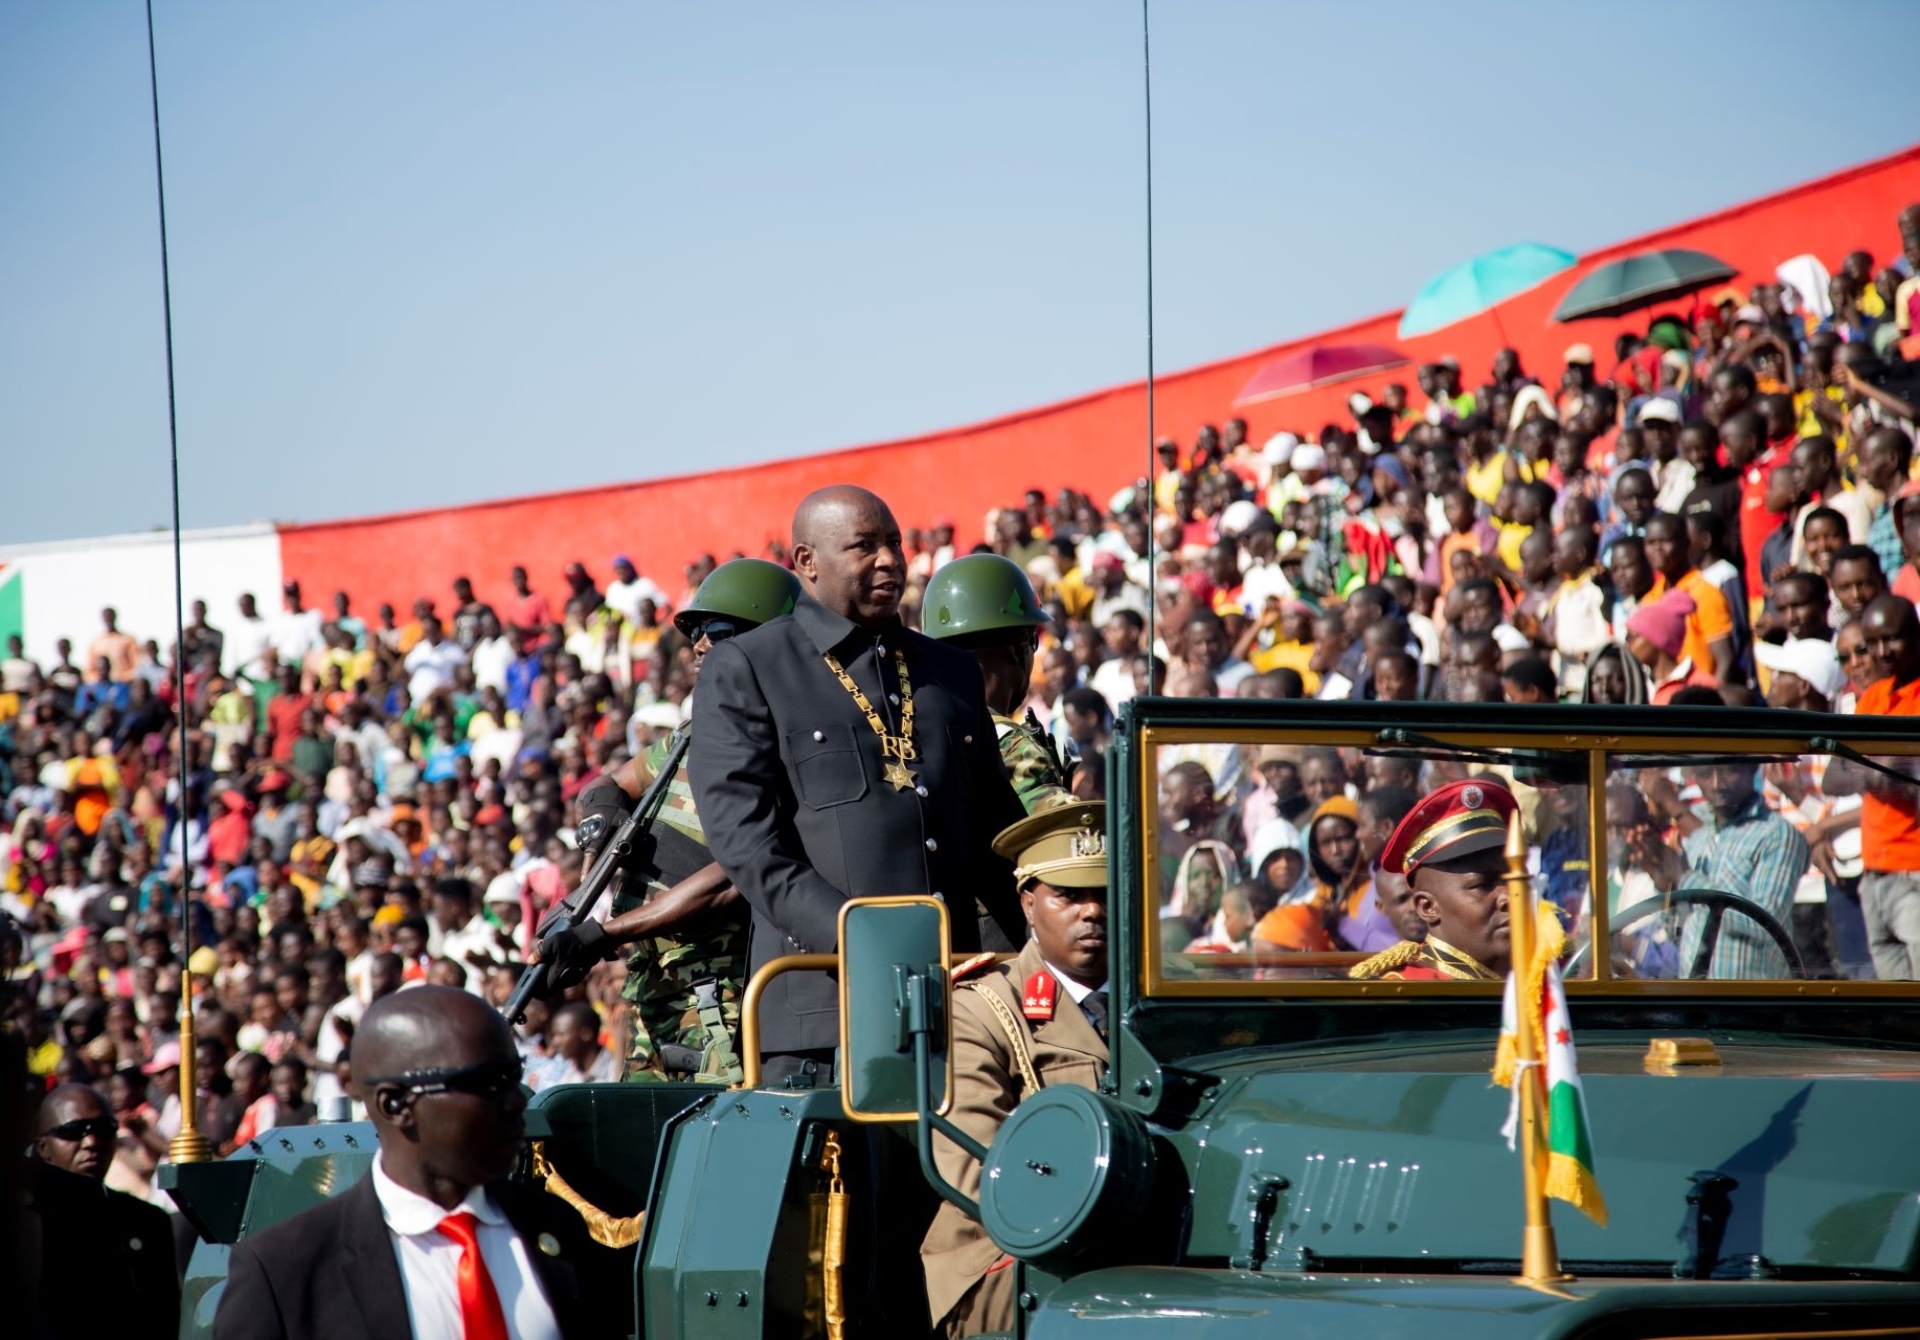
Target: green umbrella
{"points": [[1638, 281]]}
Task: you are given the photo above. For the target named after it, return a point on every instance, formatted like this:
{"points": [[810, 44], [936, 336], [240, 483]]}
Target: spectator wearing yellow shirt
{"points": [[1486, 463], [1821, 407], [1857, 270], [1526, 507], [1287, 628], [1072, 589], [1167, 453]]}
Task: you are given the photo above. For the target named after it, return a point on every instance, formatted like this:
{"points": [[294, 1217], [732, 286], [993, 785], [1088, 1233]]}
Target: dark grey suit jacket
{"points": [[787, 775], [330, 1271]]}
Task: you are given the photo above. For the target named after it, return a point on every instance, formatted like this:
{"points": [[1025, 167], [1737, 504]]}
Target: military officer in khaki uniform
{"points": [[985, 604], [1018, 1027], [688, 962]]}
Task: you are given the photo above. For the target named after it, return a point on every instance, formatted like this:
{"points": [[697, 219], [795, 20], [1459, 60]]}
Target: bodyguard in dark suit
{"points": [[432, 1243], [106, 1260], [838, 755]]}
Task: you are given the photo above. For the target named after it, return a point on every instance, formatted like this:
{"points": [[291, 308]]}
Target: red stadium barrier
{"points": [[1094, 442]]}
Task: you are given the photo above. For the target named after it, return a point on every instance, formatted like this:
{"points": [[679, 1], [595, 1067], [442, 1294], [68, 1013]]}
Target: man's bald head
{"points": [[846, 548], [439, 1074], [77, 1131], [825, 508], [1892, 630], [426, 1028]]}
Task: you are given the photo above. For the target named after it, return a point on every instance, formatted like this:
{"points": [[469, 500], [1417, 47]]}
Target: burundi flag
{"points": [[1565, 1127]]}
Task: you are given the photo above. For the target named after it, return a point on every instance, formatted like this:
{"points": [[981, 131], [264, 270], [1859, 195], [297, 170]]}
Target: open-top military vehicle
{"points": [[1280, 1148]]}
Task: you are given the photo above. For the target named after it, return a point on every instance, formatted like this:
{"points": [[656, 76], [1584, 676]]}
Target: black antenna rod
{"points": [[189, 1146], [1146, 66]]}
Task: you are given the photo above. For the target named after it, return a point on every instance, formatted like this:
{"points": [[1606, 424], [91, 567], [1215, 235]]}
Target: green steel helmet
{"points": [[972, 598], [749, 590]]}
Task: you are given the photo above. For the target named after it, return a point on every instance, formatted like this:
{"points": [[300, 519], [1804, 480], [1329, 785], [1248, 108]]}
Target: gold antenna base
{"points": [[190, 1147], [1540, 1256]]}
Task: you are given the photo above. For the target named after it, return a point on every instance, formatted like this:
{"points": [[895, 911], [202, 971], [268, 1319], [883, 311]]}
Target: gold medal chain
{"points": [[896, 750]]}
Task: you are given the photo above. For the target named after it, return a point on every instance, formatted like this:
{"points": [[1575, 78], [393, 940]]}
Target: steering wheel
{"points": [[1718, 904]]}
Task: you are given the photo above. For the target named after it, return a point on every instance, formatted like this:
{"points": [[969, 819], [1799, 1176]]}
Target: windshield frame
{"points": [[1600, 734]]}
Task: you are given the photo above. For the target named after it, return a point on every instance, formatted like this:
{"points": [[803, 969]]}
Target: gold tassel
{"points": [[1567, 1180], [1503, 1058], [602, 1227], [834, 1257]]}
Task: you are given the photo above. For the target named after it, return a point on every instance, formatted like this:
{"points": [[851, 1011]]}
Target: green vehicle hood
{"points": [[1193, 1304], [1393, 1155]]}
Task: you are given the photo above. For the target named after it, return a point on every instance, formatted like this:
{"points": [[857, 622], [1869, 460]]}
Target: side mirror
{"points": [[893, 984]]}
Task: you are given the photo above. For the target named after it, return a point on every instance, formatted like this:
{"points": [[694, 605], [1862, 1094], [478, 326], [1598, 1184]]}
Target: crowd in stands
{"points": [[1711, 511]]}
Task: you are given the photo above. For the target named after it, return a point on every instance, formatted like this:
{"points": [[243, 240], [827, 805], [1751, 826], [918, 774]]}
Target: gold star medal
{"points": [[897, 750]]}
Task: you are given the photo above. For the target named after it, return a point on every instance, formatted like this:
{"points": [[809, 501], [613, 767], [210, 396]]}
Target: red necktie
{"points": [[480, 1314]]}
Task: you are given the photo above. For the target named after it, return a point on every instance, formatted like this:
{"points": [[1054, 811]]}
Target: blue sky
{"points": [[425, 253]]}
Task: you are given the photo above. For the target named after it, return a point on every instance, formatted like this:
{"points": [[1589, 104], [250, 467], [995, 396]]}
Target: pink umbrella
{"points": [[1304, 369]]}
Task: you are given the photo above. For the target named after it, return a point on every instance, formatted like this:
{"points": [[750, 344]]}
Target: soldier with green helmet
{"points": [[985, 603], [688, 962]]}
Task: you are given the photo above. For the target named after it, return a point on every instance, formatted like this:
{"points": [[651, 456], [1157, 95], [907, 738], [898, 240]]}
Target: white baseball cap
{"points": [[1279, 449], [1659, 409], [1509, 638], [1809, 658], [1237, 516]]}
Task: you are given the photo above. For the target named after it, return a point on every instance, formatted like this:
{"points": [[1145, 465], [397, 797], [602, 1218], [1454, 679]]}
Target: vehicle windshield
{"points": [[1672, 865]]}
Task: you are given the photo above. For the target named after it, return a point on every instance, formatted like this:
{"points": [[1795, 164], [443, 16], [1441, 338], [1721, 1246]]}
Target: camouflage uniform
{"points": [[684, 990], [1031, 764]]}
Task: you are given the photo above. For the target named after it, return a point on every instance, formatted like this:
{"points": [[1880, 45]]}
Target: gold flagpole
{"points": [[1539, 1254]]}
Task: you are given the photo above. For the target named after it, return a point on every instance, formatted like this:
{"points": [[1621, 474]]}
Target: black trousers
{"points": [[813, 1069]]}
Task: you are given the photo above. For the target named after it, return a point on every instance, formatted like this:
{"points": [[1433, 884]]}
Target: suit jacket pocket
{"points": [[826, 766]]}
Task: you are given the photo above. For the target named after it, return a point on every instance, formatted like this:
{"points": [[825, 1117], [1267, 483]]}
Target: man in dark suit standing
{"points": [[432, 1243], [838, 755], [106, 1259]]}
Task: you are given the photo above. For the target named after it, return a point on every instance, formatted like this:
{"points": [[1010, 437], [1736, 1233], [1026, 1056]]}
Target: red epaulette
{"points": [[974, 964], [1036, 1002]]}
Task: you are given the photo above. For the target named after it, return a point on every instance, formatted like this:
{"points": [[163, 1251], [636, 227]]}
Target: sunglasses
{"points": [[485, 1079], [1858, 653], [73, 1132], [716, 631]]}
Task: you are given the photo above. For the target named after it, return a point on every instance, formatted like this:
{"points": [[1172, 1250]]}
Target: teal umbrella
{"points": [[1471, 287], [1637, 281]]}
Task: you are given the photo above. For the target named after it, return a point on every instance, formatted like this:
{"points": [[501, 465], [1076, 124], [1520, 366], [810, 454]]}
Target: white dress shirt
{"points": [[246, 647], [1075, 991], [429, 1262], [430, 667]]}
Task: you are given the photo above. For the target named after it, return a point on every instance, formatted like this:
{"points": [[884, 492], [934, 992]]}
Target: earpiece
{"points": [[393, 1104]]}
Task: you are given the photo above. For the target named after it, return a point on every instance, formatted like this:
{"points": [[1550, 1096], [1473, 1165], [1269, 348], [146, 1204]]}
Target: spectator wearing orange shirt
{"points": [[1709, 641], [284, 710], [1466, 533], [119, 651], [1656, 635], [1890, 806]]}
